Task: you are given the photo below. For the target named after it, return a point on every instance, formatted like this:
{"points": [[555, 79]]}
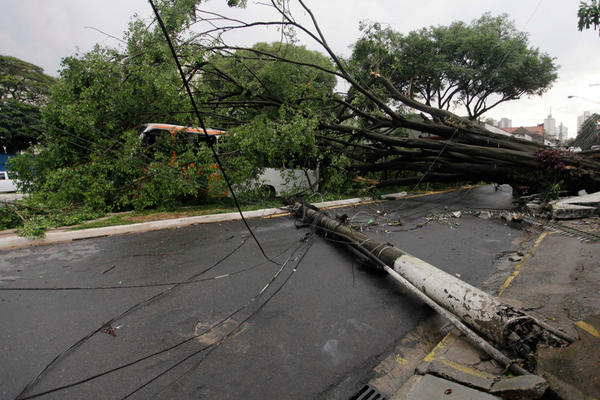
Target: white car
{"points": [[6, 184]]}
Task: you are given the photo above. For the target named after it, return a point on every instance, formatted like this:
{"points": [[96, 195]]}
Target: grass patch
{"points": [[135, 217]]}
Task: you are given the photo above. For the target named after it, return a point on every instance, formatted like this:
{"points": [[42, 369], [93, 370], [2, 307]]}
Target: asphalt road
{"points": [[198, 312]]}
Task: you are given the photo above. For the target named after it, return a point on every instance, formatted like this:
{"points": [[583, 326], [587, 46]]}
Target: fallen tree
{"points": [[365, 131]]}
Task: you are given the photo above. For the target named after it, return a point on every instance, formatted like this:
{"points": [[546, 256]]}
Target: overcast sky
{"points": [[42, 32]]}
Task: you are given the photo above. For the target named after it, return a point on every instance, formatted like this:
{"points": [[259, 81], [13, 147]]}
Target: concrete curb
{"points": [[63, 235]]}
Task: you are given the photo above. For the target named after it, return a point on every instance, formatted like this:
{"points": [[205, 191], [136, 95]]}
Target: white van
{"points": [[275, 181], [6, 184]]}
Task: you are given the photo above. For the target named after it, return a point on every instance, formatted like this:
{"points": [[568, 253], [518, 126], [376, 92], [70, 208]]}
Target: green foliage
{"points": [[18, 123], [22, 81], [589, 15], [34, 215], [90, 157], [23, 90], [272, 99], [255, 76], [461, 64]]}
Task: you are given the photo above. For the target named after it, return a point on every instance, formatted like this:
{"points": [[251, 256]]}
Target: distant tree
{"points": [[23, 91], [589, 15], [17, 120], [24, 82], [478, 65]]}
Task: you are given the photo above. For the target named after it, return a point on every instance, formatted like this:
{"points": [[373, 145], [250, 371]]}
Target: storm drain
{"points": [[368, 393]]}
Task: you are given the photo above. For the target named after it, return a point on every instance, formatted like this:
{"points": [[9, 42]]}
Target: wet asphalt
{"points": [[198, 312]]}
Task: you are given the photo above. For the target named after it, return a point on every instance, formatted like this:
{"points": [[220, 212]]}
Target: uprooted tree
{"points": [[364, 132], [279, 105]]}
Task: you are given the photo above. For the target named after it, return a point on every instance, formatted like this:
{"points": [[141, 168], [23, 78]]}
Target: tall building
{"points": [[562, 133], [550, 125], [505, 123], [581, 119]]}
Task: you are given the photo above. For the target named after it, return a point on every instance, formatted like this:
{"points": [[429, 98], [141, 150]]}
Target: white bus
{"points": [[274, 181]]}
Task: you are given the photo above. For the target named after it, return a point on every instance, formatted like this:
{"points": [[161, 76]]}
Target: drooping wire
{"points": [[64, 352], [215, 345], [177, 345], [201, 121]]}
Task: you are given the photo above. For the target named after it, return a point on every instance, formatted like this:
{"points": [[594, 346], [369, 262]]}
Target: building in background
{"points": [[589, 134], [562, 133], [539, 129], [550, 126], [505, 123], [581, 120]]}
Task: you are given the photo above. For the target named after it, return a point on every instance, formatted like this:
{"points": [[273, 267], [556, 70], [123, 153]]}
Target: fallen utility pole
{"points": [[464, 305]]}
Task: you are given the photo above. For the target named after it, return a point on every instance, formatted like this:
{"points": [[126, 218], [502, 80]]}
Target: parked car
{"points": [[7, 184]]}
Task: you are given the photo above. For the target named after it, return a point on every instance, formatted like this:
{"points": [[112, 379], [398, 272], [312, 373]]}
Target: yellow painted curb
{"points": [[588, 328], [467, 370], [441, 348], [517, 268]]}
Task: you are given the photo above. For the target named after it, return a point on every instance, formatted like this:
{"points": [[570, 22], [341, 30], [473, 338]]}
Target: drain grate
{"points": [[368, 393]]}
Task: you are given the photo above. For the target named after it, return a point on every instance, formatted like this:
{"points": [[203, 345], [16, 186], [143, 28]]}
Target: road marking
{"points": [[466, 369], [441, 348], [401, 360], [588, 328], [517, 268]]}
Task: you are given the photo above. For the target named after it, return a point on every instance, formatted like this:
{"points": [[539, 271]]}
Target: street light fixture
{"points": [[570, 97]]}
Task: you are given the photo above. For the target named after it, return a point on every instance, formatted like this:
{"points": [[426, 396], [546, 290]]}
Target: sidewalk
{"points": [[558, 282], [10, 240]]}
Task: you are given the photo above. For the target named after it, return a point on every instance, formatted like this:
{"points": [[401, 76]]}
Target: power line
{"points": [[104, 373], [201, 121]]}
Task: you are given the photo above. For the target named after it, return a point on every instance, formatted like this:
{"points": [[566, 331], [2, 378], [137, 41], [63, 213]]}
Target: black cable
{"points": [[215, 345], [150, 285], [201, 121], [60, 355], [122, 314]]}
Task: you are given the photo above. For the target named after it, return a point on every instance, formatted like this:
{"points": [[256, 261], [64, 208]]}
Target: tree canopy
{"points": [[362, 135], [588, 15], [24, 82], [477, 65], [24, 88]]}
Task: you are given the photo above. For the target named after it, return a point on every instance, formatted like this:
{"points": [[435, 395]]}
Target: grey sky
{"points": [[42, 32]]}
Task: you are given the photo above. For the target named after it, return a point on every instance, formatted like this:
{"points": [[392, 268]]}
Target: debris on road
{"points": [[110, 330]]}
